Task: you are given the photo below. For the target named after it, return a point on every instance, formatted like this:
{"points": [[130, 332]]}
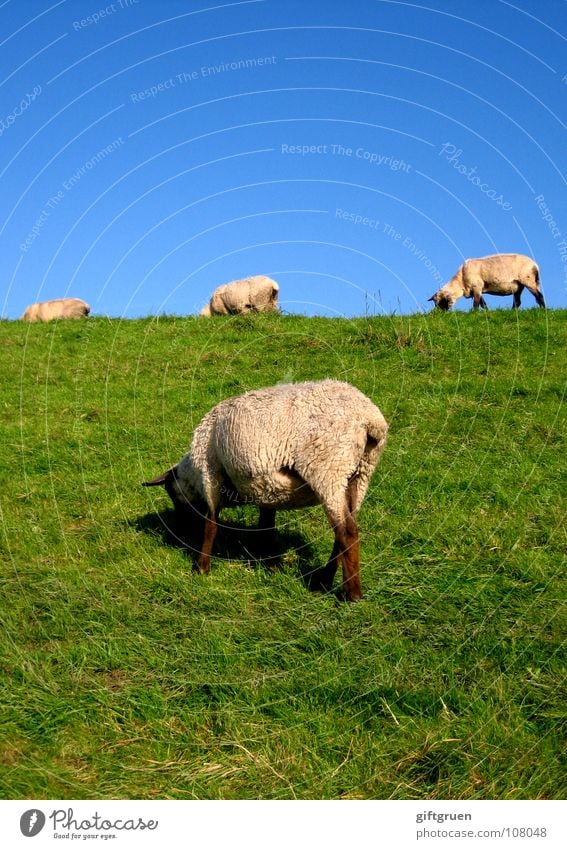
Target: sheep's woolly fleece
{"points": [[286, 446], [251, 294], [59, 308]]}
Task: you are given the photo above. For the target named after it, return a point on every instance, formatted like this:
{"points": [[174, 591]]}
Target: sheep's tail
{"points": [[538, 294], [376, 434]]}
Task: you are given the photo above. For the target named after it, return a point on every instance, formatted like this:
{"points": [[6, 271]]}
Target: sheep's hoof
{"points": [[354, 597], [349, 595], [346, 593]]}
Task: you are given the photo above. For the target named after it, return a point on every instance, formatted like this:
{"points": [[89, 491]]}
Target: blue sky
{"points": [[356, 152]]}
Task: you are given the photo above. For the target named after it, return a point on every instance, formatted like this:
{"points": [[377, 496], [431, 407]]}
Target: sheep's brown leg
{"points": [[347, 535], [351, 555], [211, 528], [518, 297], [345, 549]]}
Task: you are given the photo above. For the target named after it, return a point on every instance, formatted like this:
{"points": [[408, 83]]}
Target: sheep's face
{"points": [[182, 497], [443, 300], [185, 497]]}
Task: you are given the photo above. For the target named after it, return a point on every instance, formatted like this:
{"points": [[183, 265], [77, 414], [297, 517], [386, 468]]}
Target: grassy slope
{"points": [[125, 675]]}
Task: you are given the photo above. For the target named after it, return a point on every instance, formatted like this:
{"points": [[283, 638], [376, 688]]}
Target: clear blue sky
{"points": [[357, 151]]}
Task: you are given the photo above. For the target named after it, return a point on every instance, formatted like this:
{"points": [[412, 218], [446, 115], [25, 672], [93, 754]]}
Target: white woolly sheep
{"points": [[252, 294], [58, 308], [281, 448], [500, 274]]}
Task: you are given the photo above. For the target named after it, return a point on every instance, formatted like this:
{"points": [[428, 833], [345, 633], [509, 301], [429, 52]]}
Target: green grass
{"points": [[126, 675]]}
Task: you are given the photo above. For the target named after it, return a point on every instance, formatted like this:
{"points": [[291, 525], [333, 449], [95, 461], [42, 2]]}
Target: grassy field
{"points": [[126, 675]]}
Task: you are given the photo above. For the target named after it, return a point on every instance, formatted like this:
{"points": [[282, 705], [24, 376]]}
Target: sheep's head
{"points": [[442, 299], [182, 497]]}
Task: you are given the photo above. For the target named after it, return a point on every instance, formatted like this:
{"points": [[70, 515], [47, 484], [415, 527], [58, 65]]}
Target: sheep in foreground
{"points": [[252, 294], [282, 448], [500, 274], [59, 308]]}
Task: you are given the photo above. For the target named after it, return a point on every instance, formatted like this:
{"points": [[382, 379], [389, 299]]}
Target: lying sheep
{"points": [[59, 308], [500, 274], [282, 448], [252, 294]]}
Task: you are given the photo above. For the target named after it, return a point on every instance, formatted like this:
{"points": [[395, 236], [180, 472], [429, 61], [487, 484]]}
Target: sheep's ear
{"points": [[432, 298], [161, 479]]}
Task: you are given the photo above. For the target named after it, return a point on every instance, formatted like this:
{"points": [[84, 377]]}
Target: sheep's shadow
{"points": [[236, 540]]}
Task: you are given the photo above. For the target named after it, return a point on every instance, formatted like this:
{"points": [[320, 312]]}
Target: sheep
{"points": [[252, 294], [281, 448], [59, 308], [500, 274]]}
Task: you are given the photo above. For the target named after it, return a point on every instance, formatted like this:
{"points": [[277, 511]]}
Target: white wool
{"points": [[286, 446], [251, 294], [58, 308]]}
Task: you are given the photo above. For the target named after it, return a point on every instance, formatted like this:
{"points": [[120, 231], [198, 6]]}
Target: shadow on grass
{"points": [[235, 540]]}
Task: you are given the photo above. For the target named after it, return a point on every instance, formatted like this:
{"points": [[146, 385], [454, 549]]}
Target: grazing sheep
{"points": [[282, 448], [500, 274], [252, 294], [59, 308]]}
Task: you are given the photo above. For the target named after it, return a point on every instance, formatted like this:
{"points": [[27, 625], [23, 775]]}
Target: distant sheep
{"points": [[281, 448], [252, 294], [59, 308], [500, 274]]}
